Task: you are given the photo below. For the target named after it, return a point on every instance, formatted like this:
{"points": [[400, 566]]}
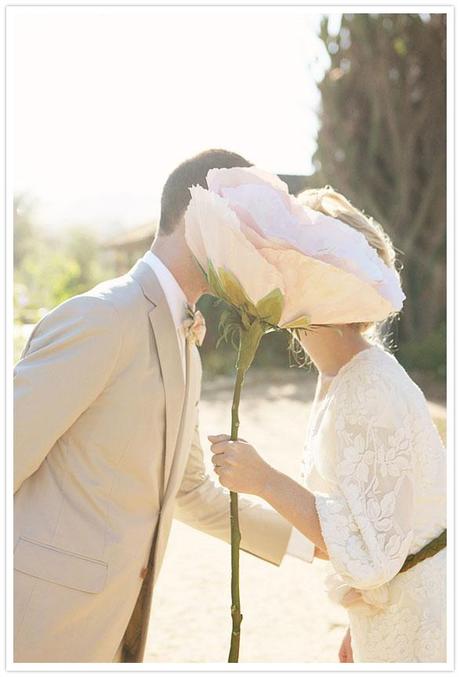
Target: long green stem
{"points": [[249, 342], [235, 534]]}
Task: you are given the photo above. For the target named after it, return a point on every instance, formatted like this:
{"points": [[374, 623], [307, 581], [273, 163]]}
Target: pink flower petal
{"points": [[209, 222], [282, 222], [326, 294], [327, 269], [217, 179]]}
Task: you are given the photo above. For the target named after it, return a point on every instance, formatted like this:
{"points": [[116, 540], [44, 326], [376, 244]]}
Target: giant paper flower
{"points": [[253, 238]]}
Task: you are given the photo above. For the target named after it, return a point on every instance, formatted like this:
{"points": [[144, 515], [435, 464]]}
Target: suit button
{"points": [[143, 573]]}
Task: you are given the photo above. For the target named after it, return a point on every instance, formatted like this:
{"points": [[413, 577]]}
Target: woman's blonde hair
{"points": [[331, 203]]}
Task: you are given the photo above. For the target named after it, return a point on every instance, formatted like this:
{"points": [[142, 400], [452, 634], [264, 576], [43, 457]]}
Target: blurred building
{"points": [[126, 248]]}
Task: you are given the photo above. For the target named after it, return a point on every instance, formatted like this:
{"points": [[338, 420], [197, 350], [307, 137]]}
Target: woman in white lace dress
{"points": [[374, 485]]}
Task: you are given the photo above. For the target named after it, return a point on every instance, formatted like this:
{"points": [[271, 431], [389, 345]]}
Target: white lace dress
{"points": [[376, 464]]}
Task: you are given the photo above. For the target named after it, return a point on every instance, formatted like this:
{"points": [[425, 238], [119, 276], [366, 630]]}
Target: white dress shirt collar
{"points": [[175, 296]]}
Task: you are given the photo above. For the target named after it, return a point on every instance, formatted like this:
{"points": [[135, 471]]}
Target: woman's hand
{"points": [[240, 468], [238, 465], [345, 651]]}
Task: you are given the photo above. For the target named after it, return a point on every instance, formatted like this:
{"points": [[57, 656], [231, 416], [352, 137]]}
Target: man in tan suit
{"points": [[107, 451]]}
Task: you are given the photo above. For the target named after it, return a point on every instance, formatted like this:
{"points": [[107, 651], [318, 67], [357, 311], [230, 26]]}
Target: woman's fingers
{"points": [[220, 443], [222, 467], [230, 447], [223, 460], [223, 474], [218, 460], [238, 464], [225, 448], [218, 439], [214, 439]]}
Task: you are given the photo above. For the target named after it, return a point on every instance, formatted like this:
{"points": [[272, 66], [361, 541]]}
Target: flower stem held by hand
{"points": [[249, 342]]}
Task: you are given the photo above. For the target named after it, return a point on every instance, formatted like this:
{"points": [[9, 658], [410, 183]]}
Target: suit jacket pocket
{"points": [[60, 566]]}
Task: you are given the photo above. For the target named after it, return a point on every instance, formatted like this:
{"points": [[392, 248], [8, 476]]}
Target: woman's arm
{"points": [[367, 512], [241, 469], [295, 503], [203, 505]]}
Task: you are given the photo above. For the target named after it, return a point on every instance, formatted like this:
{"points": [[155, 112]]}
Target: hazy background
{"points": [[105, 102], [109, 100]]}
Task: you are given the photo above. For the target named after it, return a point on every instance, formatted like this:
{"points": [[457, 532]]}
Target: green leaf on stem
{"points": [[236, 295], [270, 307], [233, 289], [302, 322]]}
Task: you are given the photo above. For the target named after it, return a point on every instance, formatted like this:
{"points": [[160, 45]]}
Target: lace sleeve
{"points": [[366, 518]]}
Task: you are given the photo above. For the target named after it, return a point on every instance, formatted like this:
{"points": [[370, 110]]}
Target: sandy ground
{"points": [[287, 615]]}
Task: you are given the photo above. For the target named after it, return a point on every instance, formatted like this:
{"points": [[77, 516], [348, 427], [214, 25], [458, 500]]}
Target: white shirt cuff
{"points": [[299, 546]]}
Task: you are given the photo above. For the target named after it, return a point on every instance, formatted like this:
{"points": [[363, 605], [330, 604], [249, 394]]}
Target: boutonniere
{"points": [[194, 326]]}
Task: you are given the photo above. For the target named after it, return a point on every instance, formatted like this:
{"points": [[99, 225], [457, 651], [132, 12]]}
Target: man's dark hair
{"points": [[176, 194]]}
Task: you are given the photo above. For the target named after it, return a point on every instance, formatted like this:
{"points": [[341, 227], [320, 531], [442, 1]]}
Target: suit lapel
{"points": [[192, 392], [164, 331]]}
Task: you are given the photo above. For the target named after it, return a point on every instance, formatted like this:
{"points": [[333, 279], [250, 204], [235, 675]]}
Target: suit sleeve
{"points": [[64, 367], [205, 505]]}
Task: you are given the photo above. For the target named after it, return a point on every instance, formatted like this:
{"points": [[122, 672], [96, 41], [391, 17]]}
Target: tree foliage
{"points": [[382, 142], [50, 268]]}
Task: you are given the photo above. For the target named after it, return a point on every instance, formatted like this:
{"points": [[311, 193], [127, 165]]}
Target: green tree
{"points": [[50, 268], [25, 230], [382, 142]]}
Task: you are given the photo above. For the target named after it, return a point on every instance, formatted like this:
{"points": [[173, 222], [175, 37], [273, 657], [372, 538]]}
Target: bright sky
{"points": [[108, 100]]}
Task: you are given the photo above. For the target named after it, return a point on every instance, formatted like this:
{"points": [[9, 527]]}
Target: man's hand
{"points": [[345, 651]]}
